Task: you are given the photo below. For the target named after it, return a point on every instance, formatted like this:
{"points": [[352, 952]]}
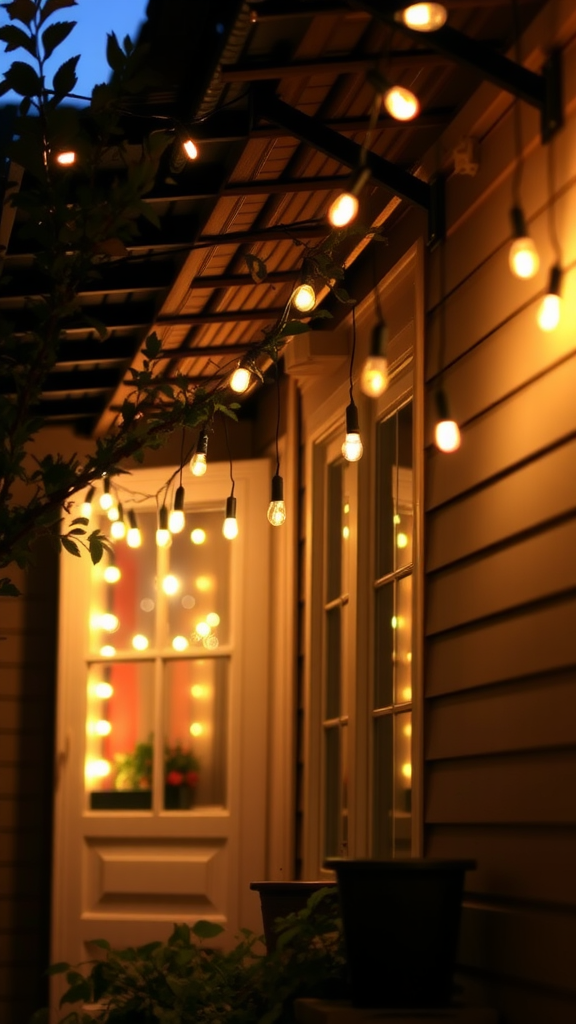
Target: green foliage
{"points": [[182, 980]]}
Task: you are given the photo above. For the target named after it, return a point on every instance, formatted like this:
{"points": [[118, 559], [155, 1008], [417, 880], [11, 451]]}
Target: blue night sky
{"points": [[95, 18]]}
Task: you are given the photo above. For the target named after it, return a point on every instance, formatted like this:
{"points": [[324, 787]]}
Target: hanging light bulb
{"points": [[304, 297], [374, 375], [276, 509], [447, 431], [66, 158], [190, 148], [106, 499], [345, 207], [133, 537], [86, 506], [549, 310], [177, 519], [523, 257], [198, 460], [163, 535], [401, 103], [230, 527], [118, 528], [352, 447], [240, 379], [424, 17]]}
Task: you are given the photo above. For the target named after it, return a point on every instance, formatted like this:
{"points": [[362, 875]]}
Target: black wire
{"points": [[352, 354], [519, 165], [551, 211], [229, 455], [277, 420], [182, 453]]}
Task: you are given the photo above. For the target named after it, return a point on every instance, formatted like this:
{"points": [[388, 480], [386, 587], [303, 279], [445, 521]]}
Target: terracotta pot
{"points": [[401, 920]]}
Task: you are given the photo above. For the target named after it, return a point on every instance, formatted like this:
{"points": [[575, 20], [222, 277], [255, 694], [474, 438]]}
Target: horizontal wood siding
{"points": [[27, 693], [500, 601]]}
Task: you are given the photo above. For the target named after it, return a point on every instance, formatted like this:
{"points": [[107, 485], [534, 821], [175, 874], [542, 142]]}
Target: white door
{"points": [[162, 720]]}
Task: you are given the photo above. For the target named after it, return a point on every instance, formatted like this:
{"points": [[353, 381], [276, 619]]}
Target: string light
{"points": [[177, 519], [86, 506], [106, 499], [111, 574], [424, 17], [190, 148], [447, 431], [230, 527], [66, 158], [304, 297], [549, 310], [276, 509], [374, 375], [118, 528], [345, 207], [240, 379], [163, 535], [352, 447], [523, 257], [401, 103], [198, 460], [133, 537]]}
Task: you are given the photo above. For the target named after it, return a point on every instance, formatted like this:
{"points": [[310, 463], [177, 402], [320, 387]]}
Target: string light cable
{"points": [[352, 447], [276, 509]]}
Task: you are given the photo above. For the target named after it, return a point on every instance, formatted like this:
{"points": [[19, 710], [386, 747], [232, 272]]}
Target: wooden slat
{"points": [[519, 788], [534, 864], [530, 715], [539, 416], [518, 1002], [532, 641], [29, 715], [528, 571], [39, 680], [534, 946], [526, 499]]}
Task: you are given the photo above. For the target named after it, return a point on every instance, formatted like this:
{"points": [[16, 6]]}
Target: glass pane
{"points": [[197, 584], [333, 662], [382, 831], [332, 791], [402, 630], [394, 500], [196, 727], [334, 539], [383, 645], [119, 726], [402, 489], [403, 784], [124, 608], [385, 458]]}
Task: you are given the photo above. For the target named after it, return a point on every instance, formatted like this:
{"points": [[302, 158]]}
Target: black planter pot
{"points": [[178, 798], [278, 899], [401, 920]]}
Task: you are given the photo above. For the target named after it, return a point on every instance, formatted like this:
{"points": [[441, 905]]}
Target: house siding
{"points": [[500, 569], [27, 696]]}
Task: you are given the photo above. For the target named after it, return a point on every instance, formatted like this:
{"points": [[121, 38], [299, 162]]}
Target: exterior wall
{"points": [[27, 689], [500, 624]]}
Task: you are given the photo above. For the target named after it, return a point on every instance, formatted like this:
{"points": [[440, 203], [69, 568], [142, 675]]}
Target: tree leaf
{"points": [[101, 943], [114, 55], [54, 35], [65, 78], [79, 992], [206, 929], [58, 968], [70, 546], [16, 38], [7, 588], [23, 79], [51, 6], [21, 10]]}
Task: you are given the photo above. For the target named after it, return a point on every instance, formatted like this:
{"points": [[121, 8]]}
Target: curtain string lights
{"points": [[230, 524], [446, 432], [352, 447]]}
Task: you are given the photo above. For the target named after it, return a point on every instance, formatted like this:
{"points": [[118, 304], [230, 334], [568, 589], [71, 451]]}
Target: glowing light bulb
{"points": [[97, 768], [352, 447], [196, 729], [198, 691], [118, 530], [180, 643], [113, 514], [86, 506], [133, 537], [374, 376], [190, 148], [170, 584], [140, 642], [198, 536], [343, 210], [240, 380], [213, 619], [109, 622], [548, 316], [107, 651], [426, 17], [407, 770], [163, 535], [276, 513], [106, 500], [401, 540], [203, 629], [102, 728], [447, 431], [66, 159], [103, 690], [230, 525], [523, 256], [407, 729], [177, 519], [304, 298], [198, 460], [401, 103]]}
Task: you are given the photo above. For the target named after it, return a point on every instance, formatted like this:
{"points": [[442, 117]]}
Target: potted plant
{"points": [[133, 779], [401, 920], [279, 899]]}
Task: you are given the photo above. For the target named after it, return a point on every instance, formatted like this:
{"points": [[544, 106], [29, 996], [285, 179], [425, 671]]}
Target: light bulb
{"points": [[352, 447], [276, 509], [198, 536], [97, 768], [401, 103], [374, 375], [203, 629], [103, 690], [102, 727], [177, 519], [343, 210], [118, 530], [198, 461], [66, 159], [111, 574], [109, 622], [213, 619], [523, 256], [133, 537], [304, 298], [113, 513], [140, 642], [549, 310], [107, 651], [86, 506], [447, 431], [424, 17], [190, 148], [196, 729], [179, 643], [230, 525], [170, 584], [163, 535], [106, 499], [240, 380]]}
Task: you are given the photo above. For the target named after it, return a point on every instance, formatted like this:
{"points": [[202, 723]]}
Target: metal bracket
{"points": [[542, 91], [429, 197]]}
